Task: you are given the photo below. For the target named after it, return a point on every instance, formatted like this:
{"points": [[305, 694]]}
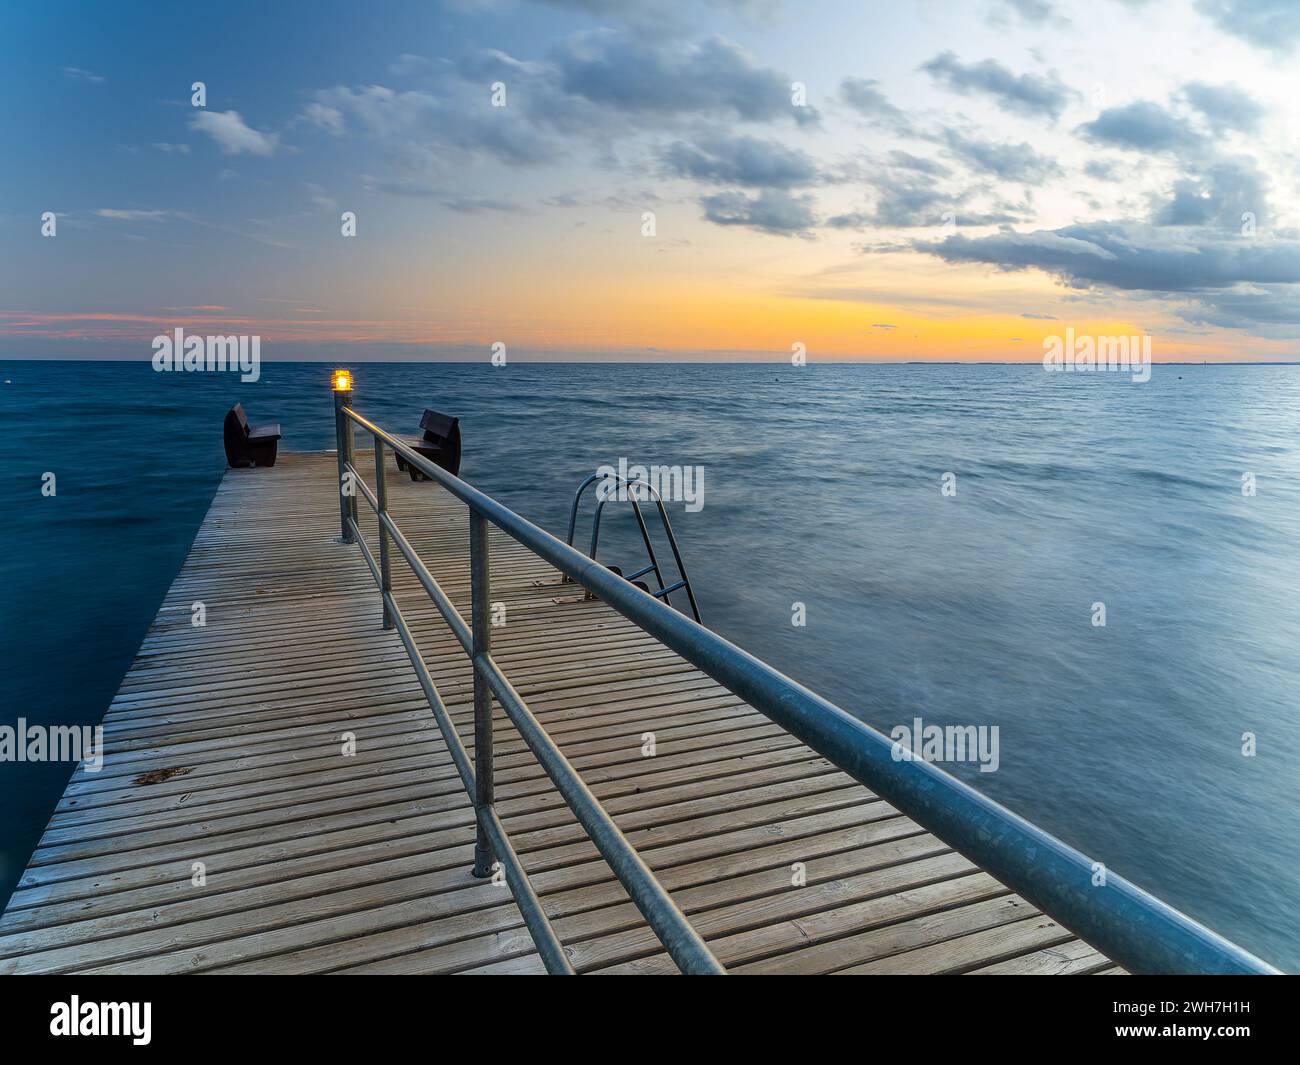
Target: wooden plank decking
{"points": [[224, 747]]}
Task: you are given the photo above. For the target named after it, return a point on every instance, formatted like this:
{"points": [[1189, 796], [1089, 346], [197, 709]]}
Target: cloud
{"points": [[1006, 162], [590, 91], [713, 76], [417, 128], [908, 161], [481, 205], [910, 192], [741, 161], [849, 220], [1270, 24], [909, 198], [173, 149], [1263, 308], [1219, 195], [122, 215], [77, 74], [232, 135], [1027, 94], [319, 198], [771, 211], [1037, 12], [906, 200], [330, 119], [1225, 107], [452, 201], [761, 8], [664, 17], [1129, 255], [408, 64], [1141, 126], [1103, 169], [865, 97], [1039, 317], [1224, 279]]}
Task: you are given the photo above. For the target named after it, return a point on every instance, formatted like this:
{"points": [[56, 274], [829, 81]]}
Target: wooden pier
{"points": [[231, 829]]}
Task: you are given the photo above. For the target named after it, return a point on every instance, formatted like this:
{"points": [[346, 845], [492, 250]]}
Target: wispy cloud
{"points": [[232, 134], [77, 74], [130, 215], [866, 97], [1006, 162]]}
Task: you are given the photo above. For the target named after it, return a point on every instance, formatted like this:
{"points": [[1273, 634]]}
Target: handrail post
{"points": [[342, 437], [480, 578], [381, 494]]}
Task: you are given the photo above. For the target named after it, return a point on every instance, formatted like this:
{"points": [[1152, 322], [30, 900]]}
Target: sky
{"points": [[665, 179]]}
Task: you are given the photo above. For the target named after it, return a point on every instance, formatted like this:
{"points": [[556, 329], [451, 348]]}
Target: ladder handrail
{"points": [[665, 591]]}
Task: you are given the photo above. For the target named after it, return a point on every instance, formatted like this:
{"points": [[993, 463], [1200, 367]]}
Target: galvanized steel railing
{"points": [[681, 941], [1120, 919]]}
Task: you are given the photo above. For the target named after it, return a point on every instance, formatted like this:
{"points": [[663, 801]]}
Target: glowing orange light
{"points": [[342, 380]]}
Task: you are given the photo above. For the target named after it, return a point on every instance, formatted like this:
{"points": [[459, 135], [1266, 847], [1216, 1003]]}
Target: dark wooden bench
{"points": [[249, 445], [440, 444]]}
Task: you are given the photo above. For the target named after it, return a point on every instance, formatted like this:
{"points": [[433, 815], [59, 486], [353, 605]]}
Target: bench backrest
{"points": [[238, 411], [443, 430], [438, 427]]}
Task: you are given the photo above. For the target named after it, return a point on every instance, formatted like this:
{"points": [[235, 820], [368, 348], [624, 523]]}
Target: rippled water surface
{"points": [[822, 486]]}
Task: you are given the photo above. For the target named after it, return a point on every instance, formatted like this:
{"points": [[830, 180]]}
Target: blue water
{"points": [[822, 486]]}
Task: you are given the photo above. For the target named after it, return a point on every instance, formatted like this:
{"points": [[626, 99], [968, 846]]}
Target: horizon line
{"points": [[530, 360]]}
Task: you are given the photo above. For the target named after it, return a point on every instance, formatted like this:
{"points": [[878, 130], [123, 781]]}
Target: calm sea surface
{"points": [[822, 486]]}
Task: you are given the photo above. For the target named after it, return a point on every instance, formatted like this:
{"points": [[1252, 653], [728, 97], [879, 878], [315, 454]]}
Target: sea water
{"points": [[945, 534]]}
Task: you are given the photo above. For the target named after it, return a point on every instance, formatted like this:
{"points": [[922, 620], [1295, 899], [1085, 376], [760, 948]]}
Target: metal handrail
{"points": [[665, 590], [682, 942], [1120, 919]]}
